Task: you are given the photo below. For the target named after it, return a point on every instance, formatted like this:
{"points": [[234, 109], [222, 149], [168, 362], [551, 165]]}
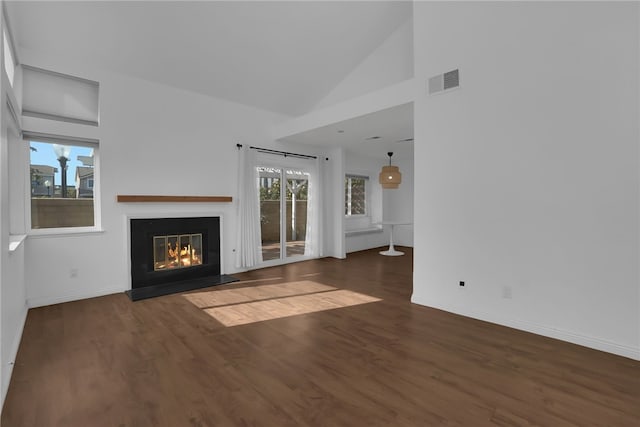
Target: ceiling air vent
{"points": [[442, 82]]}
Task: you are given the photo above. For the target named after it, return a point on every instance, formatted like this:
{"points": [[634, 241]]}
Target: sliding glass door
{"points": [[283, 211]]}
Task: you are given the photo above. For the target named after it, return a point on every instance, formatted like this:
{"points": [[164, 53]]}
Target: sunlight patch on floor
{"points": [[254, 293], [241, 306], [241, 314]]}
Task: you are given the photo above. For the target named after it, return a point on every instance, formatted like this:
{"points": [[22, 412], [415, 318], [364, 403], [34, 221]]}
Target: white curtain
{"points": [[249, 242], [313, 245]]}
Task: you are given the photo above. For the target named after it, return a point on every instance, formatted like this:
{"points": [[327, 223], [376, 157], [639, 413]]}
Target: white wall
{"points": [[391, 62], [13, 309], [13, 287], [4, 220], [334, 240], [528, 172], [154, 139]]}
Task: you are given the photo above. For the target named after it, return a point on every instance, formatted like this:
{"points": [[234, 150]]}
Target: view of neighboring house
{"points": [[84, 182], [85, 177], [43, 180]]}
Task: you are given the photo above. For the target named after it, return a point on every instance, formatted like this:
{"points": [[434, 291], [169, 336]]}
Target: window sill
{"points": [[64, 232], [15, 240], [359, 231]]}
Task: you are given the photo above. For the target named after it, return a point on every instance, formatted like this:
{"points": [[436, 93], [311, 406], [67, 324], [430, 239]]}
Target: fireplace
{"points": [[171, 255]]}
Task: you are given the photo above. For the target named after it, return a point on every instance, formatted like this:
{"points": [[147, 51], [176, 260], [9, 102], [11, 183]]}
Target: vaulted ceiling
{"points": [[279, 56]]}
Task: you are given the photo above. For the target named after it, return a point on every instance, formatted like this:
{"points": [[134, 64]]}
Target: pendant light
{"points": [[390, 176]]}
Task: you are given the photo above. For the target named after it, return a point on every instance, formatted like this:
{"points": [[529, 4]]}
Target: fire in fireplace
{"points": [[177, 251]]}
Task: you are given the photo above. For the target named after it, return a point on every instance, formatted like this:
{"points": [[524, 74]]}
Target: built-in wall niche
{"points": [[171, 255]]}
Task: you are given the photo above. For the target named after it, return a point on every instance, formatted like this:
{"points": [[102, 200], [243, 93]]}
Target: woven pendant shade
{"points": [[390, 176]]}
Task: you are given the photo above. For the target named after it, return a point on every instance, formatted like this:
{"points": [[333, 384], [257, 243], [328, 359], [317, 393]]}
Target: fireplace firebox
{"points": [[171, 255], [176, 251]]}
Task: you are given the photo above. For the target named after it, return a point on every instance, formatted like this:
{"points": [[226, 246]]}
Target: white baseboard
{"points": [[7, 370], [579, 339], [73, 296]]}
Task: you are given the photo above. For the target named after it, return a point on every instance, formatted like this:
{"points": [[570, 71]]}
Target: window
{"points": [[55, 96], [9, 63], [62, 182], [355, 195]]}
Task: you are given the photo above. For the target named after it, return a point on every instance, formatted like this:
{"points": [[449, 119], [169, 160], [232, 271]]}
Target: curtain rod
{"points": [[284, 153]]}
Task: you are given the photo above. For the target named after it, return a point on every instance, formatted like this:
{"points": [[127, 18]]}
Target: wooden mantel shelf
{"points": [[125, 198]]}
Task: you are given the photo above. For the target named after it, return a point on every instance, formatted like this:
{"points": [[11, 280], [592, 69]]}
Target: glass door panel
{"points": [[270, 212], [296, 214]]}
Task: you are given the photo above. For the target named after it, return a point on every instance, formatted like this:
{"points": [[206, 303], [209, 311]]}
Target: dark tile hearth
{"points": [[176, 287]]}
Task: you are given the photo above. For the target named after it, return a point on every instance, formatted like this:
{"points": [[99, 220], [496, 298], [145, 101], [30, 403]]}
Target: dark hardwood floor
{"points": [[166, 362]]}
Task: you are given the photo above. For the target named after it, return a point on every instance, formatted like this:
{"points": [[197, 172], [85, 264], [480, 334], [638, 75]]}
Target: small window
{"points": [[62, 184], [355, 195], [55, 96], [9, 62]]}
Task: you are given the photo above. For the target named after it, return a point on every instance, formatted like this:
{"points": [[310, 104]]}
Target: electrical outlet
{"points": [[461, 283], [506, 292]]}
